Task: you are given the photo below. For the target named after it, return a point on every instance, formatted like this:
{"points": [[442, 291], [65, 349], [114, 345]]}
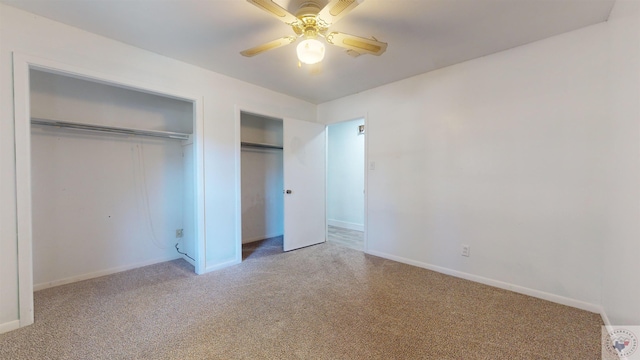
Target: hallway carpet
{"points": [[320, 302]]}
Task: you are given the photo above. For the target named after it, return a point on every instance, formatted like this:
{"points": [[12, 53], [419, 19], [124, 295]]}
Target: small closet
{"points": [[261, 177], [112, 176]]}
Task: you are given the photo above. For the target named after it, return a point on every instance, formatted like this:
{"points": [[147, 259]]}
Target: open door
{"points": [[304, 181]]}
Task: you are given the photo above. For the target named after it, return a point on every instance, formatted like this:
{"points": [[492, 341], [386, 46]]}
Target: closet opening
{"points": [[113, 179], [346, 184], [262, 185]]}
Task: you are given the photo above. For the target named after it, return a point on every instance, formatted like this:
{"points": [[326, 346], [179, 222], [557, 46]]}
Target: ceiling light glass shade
{"points": [[310, 51]]}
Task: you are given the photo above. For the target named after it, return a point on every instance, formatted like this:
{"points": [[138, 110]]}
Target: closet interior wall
{"points": [[261, 177], [106, 202]]}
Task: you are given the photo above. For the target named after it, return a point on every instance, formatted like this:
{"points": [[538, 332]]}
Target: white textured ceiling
{"points": [[423, 35]]}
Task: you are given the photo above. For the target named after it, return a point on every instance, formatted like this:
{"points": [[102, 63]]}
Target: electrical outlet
{"points": [[466, 250], [178, 233]]}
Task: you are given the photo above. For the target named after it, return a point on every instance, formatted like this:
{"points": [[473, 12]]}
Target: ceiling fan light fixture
{"points": [[310, 23], [310, 51]]}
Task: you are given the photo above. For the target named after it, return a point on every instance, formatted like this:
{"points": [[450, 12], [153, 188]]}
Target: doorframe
{"points": [[366, 179], [22, 64]]}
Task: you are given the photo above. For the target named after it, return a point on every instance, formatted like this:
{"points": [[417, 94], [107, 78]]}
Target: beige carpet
{"points": [[321, 302]]}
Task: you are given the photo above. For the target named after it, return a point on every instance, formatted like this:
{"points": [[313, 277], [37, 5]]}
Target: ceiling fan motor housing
{"points": [[309, 26], [308, 8]]}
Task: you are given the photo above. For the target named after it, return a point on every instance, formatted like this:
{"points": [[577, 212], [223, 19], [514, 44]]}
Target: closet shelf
{"points": [[111, 129], [260, 145]]}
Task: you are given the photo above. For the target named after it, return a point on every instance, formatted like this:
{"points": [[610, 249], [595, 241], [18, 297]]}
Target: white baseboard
{"points": [[605, 318], [188, 260], [222, 265], [496, 283], [9, 326], [345, 225], [258, 238], [100, 273]]}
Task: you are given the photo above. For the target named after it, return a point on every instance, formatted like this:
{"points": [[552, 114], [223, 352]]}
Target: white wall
{"points": [[262, 179], [506, 153], [65, 98], [262, 199], [36, 36], [345, 175], [621, 250], [102, 203], [261, 129], [188, 242]]}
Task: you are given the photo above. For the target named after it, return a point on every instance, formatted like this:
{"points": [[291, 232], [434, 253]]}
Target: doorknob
{"points": [[288, 191]]}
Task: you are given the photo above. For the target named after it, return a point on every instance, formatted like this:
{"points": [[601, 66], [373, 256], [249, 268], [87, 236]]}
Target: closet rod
{"points": [[111, 129], [259, 145]]}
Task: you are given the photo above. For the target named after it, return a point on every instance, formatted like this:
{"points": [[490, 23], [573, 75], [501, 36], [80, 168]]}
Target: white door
{"points": [[304, 183]]}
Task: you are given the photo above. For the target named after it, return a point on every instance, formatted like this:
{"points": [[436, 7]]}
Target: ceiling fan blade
{"points": [[335, 10], [268, 46], [276, 10], [356, 43]]}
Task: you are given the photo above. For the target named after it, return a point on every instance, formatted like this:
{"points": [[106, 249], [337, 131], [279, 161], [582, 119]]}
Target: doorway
{"points": [[107, 198], [262, 184], [303, 149], [346, 183]]}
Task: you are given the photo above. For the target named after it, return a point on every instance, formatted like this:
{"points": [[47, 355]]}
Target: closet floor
{"points": [[346, 237], [266, 247]]}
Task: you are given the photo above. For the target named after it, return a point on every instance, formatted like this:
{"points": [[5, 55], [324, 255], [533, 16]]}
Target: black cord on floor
{"points": [[182, 253]]}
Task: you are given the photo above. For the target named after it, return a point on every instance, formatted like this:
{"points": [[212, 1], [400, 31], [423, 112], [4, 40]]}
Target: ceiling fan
{"points": [[311, 22]]}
